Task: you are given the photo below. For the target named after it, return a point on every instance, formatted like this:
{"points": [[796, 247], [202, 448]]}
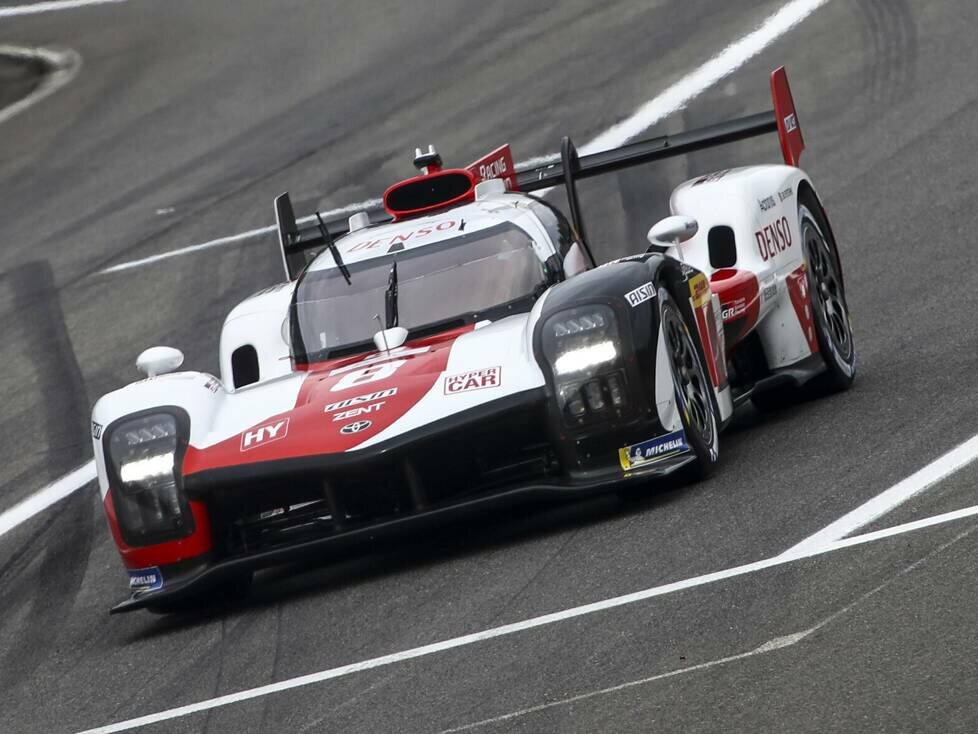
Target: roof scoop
{"points": [[388, 339]]}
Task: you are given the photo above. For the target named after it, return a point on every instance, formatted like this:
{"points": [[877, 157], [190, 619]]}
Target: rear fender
{"points": [[754, 209]]}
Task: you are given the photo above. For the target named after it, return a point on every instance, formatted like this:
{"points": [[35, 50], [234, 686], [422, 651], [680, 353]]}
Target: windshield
{"points": [[480, 275]]}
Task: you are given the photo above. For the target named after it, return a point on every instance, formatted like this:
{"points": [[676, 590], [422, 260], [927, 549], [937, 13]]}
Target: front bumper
{"points": [[198, 578]]}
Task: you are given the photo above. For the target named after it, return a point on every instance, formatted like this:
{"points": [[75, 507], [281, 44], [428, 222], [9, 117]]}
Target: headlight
{"points": [[582, 345], [149, 502]]}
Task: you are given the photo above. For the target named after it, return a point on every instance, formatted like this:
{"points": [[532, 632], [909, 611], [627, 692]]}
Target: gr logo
{"points": [[261, 435]]}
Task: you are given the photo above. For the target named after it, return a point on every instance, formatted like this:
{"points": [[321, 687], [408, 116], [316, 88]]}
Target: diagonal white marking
{"points": [[63, 66], [920, 481], [46, 497], [526, 624], [778, 643], [49, 7], [673, 99]]}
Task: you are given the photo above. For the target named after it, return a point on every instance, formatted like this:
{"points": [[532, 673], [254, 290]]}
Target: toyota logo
{"points": [[356, 427]]}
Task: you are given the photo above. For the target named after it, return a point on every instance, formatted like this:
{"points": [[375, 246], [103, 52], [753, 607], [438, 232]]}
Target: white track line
{"points": [[673, 99], [63, 67], [527, 624], [39, 501], [234, 238], [778, 643], [36, 8], [918, 482]]}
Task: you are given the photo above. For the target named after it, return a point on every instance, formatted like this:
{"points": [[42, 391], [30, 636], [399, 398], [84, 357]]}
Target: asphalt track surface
{"points": [[184, 122]]}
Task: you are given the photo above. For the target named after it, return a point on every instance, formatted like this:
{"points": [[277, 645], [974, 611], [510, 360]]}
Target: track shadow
{"points": [[46, 571]]}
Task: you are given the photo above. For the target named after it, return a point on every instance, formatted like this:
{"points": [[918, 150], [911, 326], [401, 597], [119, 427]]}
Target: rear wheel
{"points": [[833, 326]]}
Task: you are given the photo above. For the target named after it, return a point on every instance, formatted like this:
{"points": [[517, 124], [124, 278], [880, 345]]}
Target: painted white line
{"points": [[63, 65], [720, 66], [234, 238], [918, 482], [668, 102], [527, 624], [778, 643], [49, 7], [41, 500]]}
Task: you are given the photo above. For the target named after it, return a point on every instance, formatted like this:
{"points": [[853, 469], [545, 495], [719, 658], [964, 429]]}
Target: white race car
{"points": [[461, 350]]}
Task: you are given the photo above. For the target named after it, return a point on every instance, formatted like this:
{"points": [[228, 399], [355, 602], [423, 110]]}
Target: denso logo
{"points": [[474, 380], [264, 434], [774, 238], [361, 399]]}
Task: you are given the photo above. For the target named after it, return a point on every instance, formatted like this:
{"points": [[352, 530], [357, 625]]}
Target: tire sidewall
{"points": [[840, 372], [706, 451]]}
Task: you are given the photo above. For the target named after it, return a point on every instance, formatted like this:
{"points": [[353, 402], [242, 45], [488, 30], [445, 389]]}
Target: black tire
{"points": [[830, 312], [833, 325], [694, 390]]}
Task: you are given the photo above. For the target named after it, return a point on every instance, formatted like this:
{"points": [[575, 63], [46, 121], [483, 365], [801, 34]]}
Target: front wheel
{"points": [[694, 390]]}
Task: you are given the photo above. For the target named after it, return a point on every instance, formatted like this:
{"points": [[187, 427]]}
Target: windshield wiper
{"points": [[333, 249], [390, 297]]}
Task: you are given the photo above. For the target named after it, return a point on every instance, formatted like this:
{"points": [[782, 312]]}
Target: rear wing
{"points": [[299, 241]]}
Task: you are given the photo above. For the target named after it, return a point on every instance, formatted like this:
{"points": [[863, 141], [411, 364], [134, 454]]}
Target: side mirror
{"points": [[672, 230], [159, 360]]}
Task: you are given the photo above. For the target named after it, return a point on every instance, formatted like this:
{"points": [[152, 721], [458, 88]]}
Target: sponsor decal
{"points": [[769, 291], [766, 203], [411, 236], [774, 238], [96, 430], [361, 399], [733, 309], [790, 123], [474, 380], [641, 294], [145, 579], [699, 289], [212, 384], [355, 427], [653, 450], [345, 415], [687, 270], [785, 194], [264, 434]]}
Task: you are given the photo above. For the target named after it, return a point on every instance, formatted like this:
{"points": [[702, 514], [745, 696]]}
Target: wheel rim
{"points": [[827, 295], [690, 378]]}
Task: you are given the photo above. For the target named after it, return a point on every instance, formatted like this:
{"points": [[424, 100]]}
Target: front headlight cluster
{"points": [[582, 345], [149, 502]]}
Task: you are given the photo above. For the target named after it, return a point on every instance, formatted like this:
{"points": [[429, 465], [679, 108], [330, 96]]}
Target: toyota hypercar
{"points": [[461, 349]]}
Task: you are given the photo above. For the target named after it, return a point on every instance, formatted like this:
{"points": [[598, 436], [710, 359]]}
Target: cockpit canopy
{"points": [[484, 274]]}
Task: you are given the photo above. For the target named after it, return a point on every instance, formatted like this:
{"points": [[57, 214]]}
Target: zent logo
{"points": [[640, 295], [356, 427], [264, 434], [475, 380], [345, 415]]}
